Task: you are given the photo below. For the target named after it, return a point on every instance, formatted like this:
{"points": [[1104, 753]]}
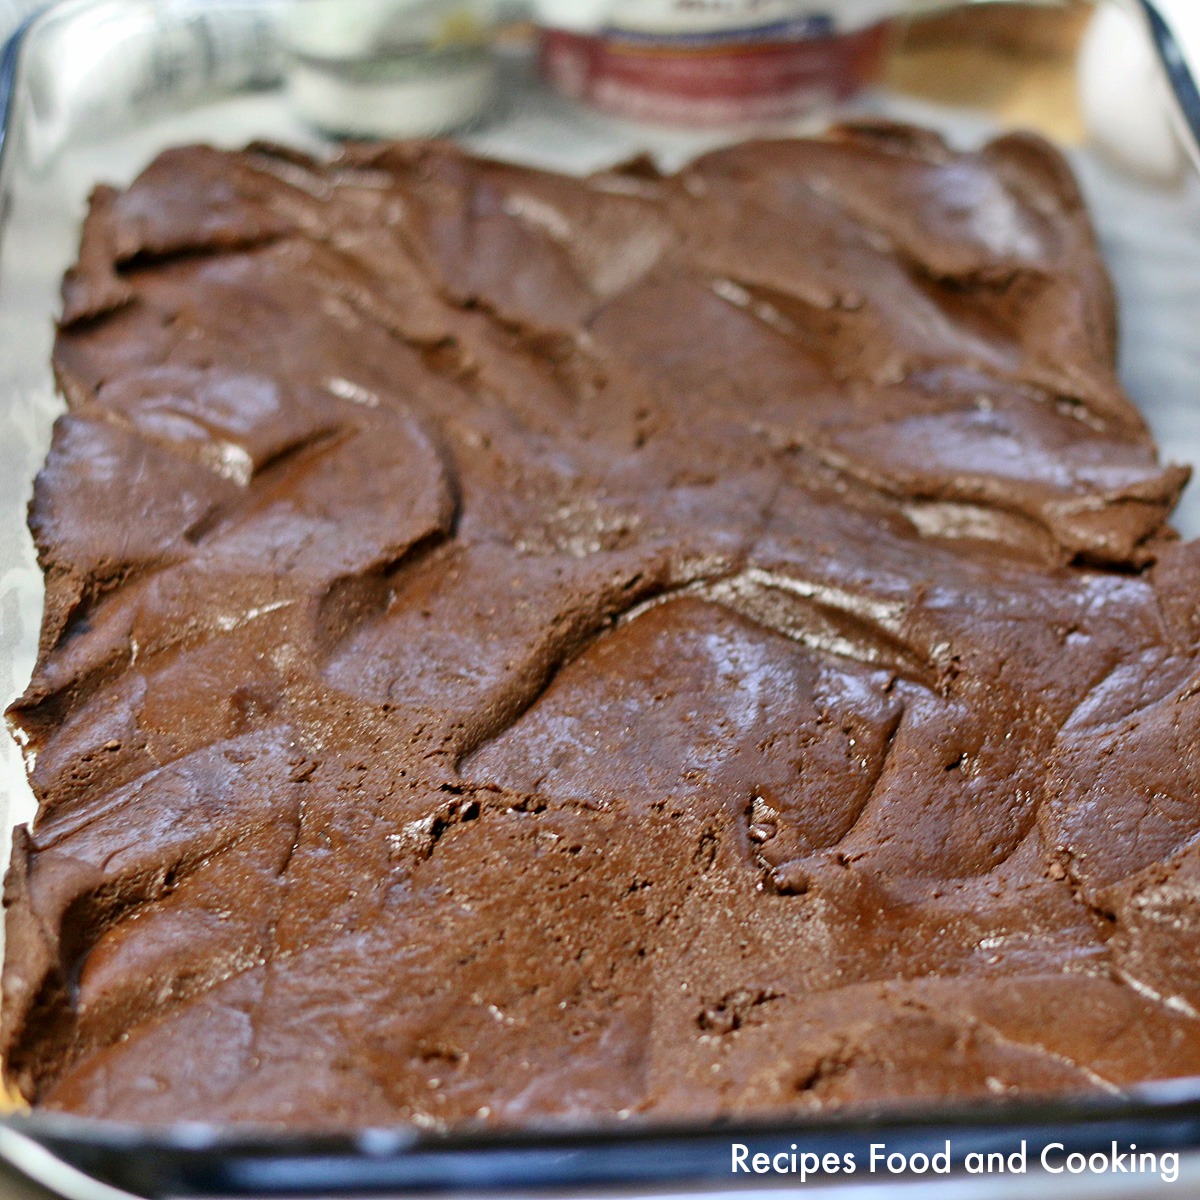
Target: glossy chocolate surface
{"points": [[520, 647]]}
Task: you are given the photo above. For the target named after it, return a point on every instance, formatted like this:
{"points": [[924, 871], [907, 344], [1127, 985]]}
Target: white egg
{"points": [[1124, 98]]}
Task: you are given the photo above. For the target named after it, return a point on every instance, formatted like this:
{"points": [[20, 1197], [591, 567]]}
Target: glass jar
{"points": [[389, 68]]}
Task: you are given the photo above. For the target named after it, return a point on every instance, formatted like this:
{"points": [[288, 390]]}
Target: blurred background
{"points": [[1079, 71]]}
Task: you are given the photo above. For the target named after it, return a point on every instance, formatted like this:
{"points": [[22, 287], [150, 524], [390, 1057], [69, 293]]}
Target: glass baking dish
{"points": [[91, 91]]}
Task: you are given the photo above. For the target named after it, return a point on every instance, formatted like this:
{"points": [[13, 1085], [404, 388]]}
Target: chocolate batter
{"points": [[520, 647]]}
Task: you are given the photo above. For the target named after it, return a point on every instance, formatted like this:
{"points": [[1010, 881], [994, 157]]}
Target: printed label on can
{"points": [[714, 77]]}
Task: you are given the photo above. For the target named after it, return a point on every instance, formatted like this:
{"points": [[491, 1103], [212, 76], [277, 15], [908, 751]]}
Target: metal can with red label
{"points": [[712, 62]]}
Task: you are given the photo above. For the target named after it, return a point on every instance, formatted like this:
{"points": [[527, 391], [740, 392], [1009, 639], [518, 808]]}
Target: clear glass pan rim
{"points": [[200, 1160]]}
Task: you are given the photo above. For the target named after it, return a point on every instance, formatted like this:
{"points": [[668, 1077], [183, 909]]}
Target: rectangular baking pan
{"points": [[89, 91]]}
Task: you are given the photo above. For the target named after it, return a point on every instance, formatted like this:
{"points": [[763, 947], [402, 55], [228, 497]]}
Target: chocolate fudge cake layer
{"points": [[520, 647]]}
